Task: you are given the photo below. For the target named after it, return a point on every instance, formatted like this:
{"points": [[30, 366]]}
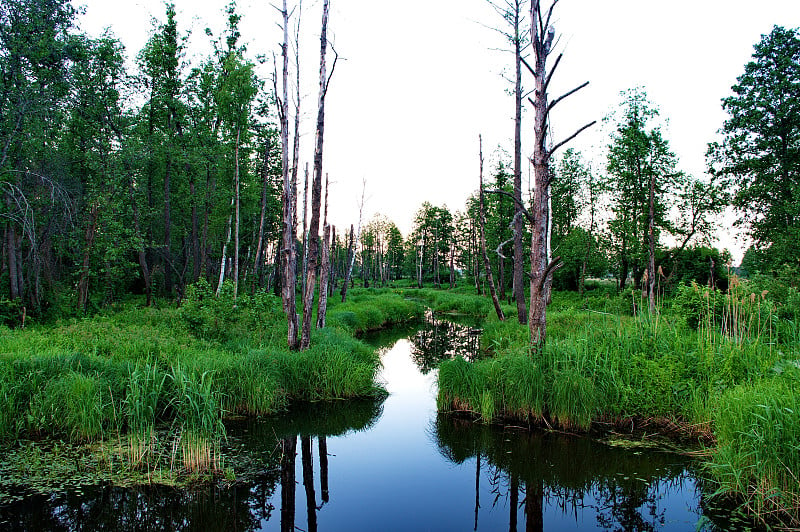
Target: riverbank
{"points": [[732, 382], [140, 394]]}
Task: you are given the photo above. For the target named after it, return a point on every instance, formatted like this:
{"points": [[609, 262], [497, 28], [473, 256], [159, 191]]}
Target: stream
{"points": [[398, 465]]}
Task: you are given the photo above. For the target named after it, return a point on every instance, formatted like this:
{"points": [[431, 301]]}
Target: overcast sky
{"points": [[418, 80]]}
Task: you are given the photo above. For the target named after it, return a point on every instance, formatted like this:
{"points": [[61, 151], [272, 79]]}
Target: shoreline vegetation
{"points": [[139, 395], [721, 369]]}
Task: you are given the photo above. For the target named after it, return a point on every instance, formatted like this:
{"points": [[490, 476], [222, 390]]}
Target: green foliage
{"points": [[226, 317], [759, 156]]}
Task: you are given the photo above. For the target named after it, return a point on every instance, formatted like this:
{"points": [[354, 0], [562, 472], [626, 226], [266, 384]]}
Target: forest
{"points": [[163, 237]]}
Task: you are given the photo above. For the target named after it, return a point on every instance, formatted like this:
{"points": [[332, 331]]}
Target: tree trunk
{"points": [[540, 269], [519, 259], [11, 249], [142, 256], [83, 283], [167, 226], [651, 241], [195, 233], [258, 265], [487, 266], [236, 238], [288, 252], [322, 309], [316, 187], [224, 259], [304, 241], [349, 266]]}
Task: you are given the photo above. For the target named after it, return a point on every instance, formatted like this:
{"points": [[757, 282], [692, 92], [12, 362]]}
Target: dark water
{"points": [[397, 465]]}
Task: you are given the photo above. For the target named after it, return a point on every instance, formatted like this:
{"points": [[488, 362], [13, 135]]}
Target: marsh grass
{"points": [[153, 385], [758, 446], [720, 367]]}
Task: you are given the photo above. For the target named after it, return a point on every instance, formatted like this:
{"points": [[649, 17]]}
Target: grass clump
{"points": [[758, 446]]}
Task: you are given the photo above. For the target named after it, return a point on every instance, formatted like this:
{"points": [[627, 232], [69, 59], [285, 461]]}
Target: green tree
{"points": [[642, 173], [94, 131], [431, 240], [163, 118], [759, 154], [35, 48]]}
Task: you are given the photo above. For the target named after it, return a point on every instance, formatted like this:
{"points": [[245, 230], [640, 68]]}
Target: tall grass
{"points": [[715, 366], [758, 446], [126, 376]]}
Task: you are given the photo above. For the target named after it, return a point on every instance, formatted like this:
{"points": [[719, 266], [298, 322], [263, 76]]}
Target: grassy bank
{"points": [[152, 386], [719, 367]]}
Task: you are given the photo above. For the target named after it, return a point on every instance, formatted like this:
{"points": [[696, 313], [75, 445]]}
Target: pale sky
{"points": [[418, 80]]}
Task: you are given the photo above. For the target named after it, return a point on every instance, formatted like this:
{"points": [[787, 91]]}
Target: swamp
{"points": [[225, 306]]}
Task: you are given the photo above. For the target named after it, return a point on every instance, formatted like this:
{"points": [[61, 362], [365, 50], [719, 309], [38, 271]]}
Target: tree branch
{"points": [[554, 265], [570, 93], [552, 71], [333, 68], [519, 204], [560, 144]]}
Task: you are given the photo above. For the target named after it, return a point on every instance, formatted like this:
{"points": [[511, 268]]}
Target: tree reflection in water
{"points": [[623, 489], [271, 448], [438, 339]]}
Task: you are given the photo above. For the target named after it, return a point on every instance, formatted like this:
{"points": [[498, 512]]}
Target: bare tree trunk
{"points": [[224, 260], [542, 267], [258, 265], [304, 241], [316, 187], [322, 309], [332, 262], [11, 248], [486, 265], [236, 239], [518, 287], [348, 267], [452, 265], [83, 283], [651, 241], [351, 256], [288, 252]]}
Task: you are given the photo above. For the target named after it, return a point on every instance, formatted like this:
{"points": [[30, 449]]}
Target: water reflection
{"points": [[268, 448], [575, 477], [439, 339]]}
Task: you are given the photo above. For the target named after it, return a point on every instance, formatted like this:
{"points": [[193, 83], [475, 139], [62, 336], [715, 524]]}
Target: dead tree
{"points": [[324, 276], [258, 264], [316, 186], [351, 250], [350, 257], [288, 251], [482, 215], [542, 265]]}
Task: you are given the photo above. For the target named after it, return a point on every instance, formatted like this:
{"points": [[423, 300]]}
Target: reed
{"points": [[198, 417]]}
